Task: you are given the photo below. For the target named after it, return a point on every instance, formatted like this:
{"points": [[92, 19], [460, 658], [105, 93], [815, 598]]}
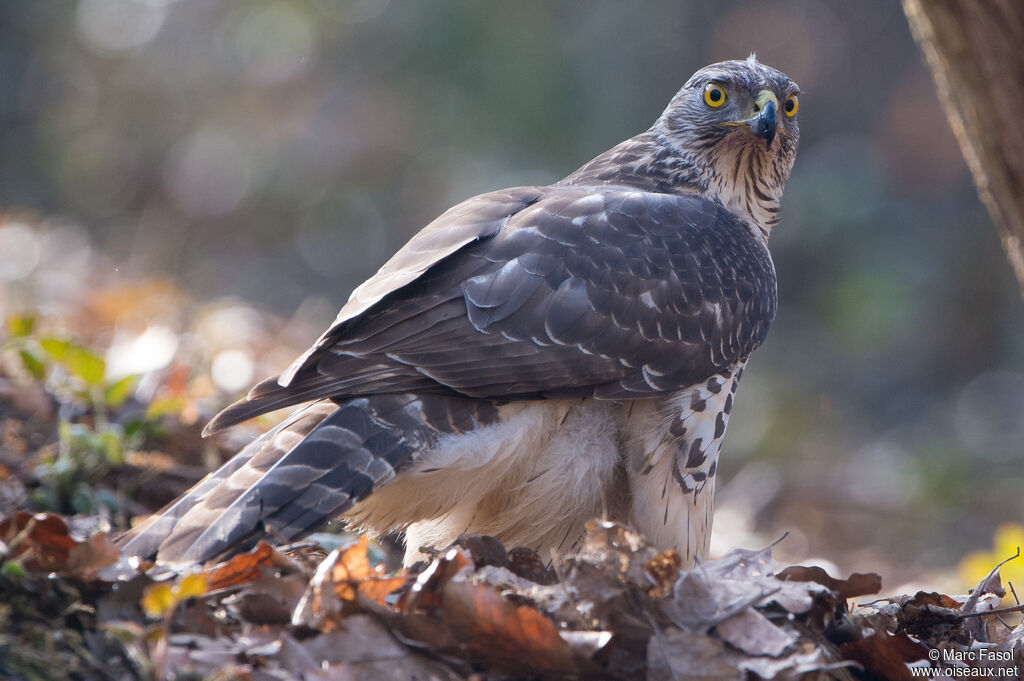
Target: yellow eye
{"points": [[714, 95], [791, 106]]}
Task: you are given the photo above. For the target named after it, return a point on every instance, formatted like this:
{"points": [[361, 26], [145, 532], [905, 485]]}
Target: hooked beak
{"points": [[765, 121]]}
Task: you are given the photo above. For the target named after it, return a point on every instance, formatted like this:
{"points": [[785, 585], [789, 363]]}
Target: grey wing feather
{"points": [[610, 292]]}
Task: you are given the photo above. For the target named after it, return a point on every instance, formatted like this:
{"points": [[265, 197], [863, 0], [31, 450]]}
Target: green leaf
{"points": [[32, 363], [21, 325], [87, 366], [57, 347], [112, 443], [76, 359], [12, 570], [116, 393]]}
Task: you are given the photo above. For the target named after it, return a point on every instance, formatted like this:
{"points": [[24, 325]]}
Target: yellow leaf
{"points": [[974, 567], [158, 600], [191, 586], [1009, 538]]}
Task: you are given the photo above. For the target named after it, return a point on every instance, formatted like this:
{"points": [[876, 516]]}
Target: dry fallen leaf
{"points": [[504, 636], [342, 577], [41, 542], [857, 584], [245, 567], [886, 654], [753, 633]]}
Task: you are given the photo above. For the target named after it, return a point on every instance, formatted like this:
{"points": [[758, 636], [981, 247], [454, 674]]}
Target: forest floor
{"points": [[101, 428]]}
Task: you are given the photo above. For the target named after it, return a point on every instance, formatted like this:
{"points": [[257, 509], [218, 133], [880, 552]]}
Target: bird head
{"points": [[735, 122]]}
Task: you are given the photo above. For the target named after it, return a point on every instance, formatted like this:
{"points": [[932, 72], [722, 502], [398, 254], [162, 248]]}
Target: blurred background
{"points": [[201, 183]]}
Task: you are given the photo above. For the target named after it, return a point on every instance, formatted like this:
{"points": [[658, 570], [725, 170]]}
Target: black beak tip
{"points": [[768, 122]]}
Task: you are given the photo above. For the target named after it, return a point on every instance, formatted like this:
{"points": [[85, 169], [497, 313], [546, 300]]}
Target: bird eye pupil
{"points": [[789, 105], [715, 94]]}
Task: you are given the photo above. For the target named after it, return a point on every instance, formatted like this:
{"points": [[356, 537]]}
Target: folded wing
{"points": [[533, 292]]}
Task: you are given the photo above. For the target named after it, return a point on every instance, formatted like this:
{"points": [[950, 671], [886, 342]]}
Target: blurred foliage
{"points": [[264, 156]]}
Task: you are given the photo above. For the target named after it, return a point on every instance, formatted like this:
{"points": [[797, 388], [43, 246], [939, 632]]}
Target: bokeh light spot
{"points": [[275, 42], [19, 251], [118, 25], [151, 350], [232, 370], [208, 174]]}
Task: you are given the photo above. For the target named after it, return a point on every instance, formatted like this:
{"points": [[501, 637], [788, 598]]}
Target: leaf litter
{"points": [[72, 608], [79, 447]]}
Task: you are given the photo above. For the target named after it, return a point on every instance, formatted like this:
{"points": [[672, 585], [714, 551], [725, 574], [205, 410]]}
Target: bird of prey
{"points": [[533, 358]]}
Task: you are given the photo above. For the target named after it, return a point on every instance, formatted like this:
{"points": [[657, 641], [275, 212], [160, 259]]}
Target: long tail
{"points": [[309, 469]]}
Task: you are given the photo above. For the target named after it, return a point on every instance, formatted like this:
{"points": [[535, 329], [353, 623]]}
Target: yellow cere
{"points": [[714, 95], [791, 106]]}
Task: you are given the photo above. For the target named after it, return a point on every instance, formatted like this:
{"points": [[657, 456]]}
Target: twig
{"points": [[779, 540], [997, 611], [972, 602]]}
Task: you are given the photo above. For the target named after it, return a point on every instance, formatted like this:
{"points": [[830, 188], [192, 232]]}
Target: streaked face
{"points": [[737, 120]]}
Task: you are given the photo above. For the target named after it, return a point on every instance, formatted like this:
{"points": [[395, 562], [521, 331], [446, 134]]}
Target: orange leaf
{"points": [[379, 588], [516, 639], [240, 569], [352, 573]]}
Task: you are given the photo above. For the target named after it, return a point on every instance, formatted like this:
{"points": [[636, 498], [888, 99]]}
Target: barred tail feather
{"points": [[306, 471]]}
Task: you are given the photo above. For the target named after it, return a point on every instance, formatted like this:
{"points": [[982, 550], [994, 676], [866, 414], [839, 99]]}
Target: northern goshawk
{"points": [[533, 358]]}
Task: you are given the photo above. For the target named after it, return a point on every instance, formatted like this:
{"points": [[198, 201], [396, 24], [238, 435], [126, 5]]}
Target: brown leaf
{"points": [[525, 562], [240, 569], [41, 542], [857, 584], [886, 654], [504, 636], [86, 558], [932, 599], [484, 550]]}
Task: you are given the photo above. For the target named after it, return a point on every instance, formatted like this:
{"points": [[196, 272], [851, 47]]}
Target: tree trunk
{"points": [[975, 49]]}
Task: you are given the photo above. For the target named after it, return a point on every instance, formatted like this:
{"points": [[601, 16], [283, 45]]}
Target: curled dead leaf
{"points": [[42, 542], [857, 584], [240, 569], [342, 578]]}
